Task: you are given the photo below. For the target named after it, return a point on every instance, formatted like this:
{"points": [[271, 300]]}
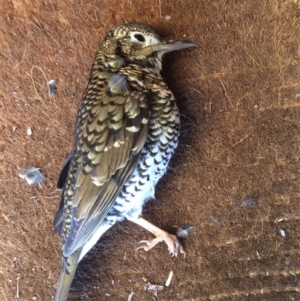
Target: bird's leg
{"points": [[171, 240]]}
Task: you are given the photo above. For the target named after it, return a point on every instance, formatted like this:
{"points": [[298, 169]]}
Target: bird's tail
{"points": [[66, 276]]}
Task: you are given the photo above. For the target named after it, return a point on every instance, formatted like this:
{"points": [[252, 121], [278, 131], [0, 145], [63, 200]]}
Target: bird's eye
{"points": [[139, 37]]}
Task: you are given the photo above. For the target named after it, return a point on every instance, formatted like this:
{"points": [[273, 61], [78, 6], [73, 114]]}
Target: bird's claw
{"points": [[171, 240], [149, 244]]}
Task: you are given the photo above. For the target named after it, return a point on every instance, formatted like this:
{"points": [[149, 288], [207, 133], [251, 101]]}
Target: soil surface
{"points": [[235, 176]]}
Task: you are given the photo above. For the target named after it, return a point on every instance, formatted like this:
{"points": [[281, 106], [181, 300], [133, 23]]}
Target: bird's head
{"points": [[139, 43]]}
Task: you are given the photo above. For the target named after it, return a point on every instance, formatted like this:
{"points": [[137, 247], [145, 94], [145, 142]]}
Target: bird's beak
{"points": [[171, 45]]}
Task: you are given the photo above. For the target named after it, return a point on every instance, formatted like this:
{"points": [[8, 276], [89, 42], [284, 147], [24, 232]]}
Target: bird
{"points": [[126, 132]]}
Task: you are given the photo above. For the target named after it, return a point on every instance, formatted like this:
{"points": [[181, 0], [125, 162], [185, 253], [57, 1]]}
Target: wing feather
{"points": [[64, 173], [111, 132], [84, 228]]}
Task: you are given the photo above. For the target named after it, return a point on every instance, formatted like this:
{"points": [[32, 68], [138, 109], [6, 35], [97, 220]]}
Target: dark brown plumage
{"points": [[126, 132]]}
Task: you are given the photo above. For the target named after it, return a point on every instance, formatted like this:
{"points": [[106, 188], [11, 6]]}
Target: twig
{"points": [[226, 93], [17, 294], [292, 105], [39, 26], [196, 91], [169, 279], [233, 145], [130, 296], [31, 72], [159, 6], [246, 48], [22, 56], [7, 219]]}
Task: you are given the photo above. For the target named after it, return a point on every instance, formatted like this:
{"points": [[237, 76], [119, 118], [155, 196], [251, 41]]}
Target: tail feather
{"points": [[66, 276]]}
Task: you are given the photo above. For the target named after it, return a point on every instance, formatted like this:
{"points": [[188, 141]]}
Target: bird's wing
{"points": [[112, 127], [64, 172]]}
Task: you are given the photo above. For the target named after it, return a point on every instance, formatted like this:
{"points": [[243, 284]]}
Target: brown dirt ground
{"points": [[239, 95]]}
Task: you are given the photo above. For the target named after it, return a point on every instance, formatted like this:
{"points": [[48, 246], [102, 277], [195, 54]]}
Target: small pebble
{"points": [[282, 233], [51, 87], [29, 132]]}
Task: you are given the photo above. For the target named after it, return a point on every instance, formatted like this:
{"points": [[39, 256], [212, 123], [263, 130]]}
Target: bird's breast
{"points": [[155, 156]]}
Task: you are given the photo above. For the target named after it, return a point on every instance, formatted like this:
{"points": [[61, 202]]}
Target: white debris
{"points": [[282, 233], [169, 279], [154, 288], [248, 202], [168, 18], [29, 131], [51, 87], [32, 175], [130, 296], [278, 220], [184, 231]]}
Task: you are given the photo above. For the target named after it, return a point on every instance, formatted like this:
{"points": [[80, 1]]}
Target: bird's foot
{"points": [[171, 240]]}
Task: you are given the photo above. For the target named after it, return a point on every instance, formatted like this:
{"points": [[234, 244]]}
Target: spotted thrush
{"points": [[126, 132]]}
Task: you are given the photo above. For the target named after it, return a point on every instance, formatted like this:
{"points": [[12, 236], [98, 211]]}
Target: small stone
{"points": [[51, 87], [282, 233]]}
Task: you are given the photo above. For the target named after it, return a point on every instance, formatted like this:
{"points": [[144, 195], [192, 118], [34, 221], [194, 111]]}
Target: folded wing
{"points": [[112, 128]]}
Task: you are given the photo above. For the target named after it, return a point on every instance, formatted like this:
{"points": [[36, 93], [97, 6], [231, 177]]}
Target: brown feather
{"points": [[110, 136]]}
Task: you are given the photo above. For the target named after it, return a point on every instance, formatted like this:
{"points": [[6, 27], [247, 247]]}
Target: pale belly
{"points": [[140, 187], [136, 191]]}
